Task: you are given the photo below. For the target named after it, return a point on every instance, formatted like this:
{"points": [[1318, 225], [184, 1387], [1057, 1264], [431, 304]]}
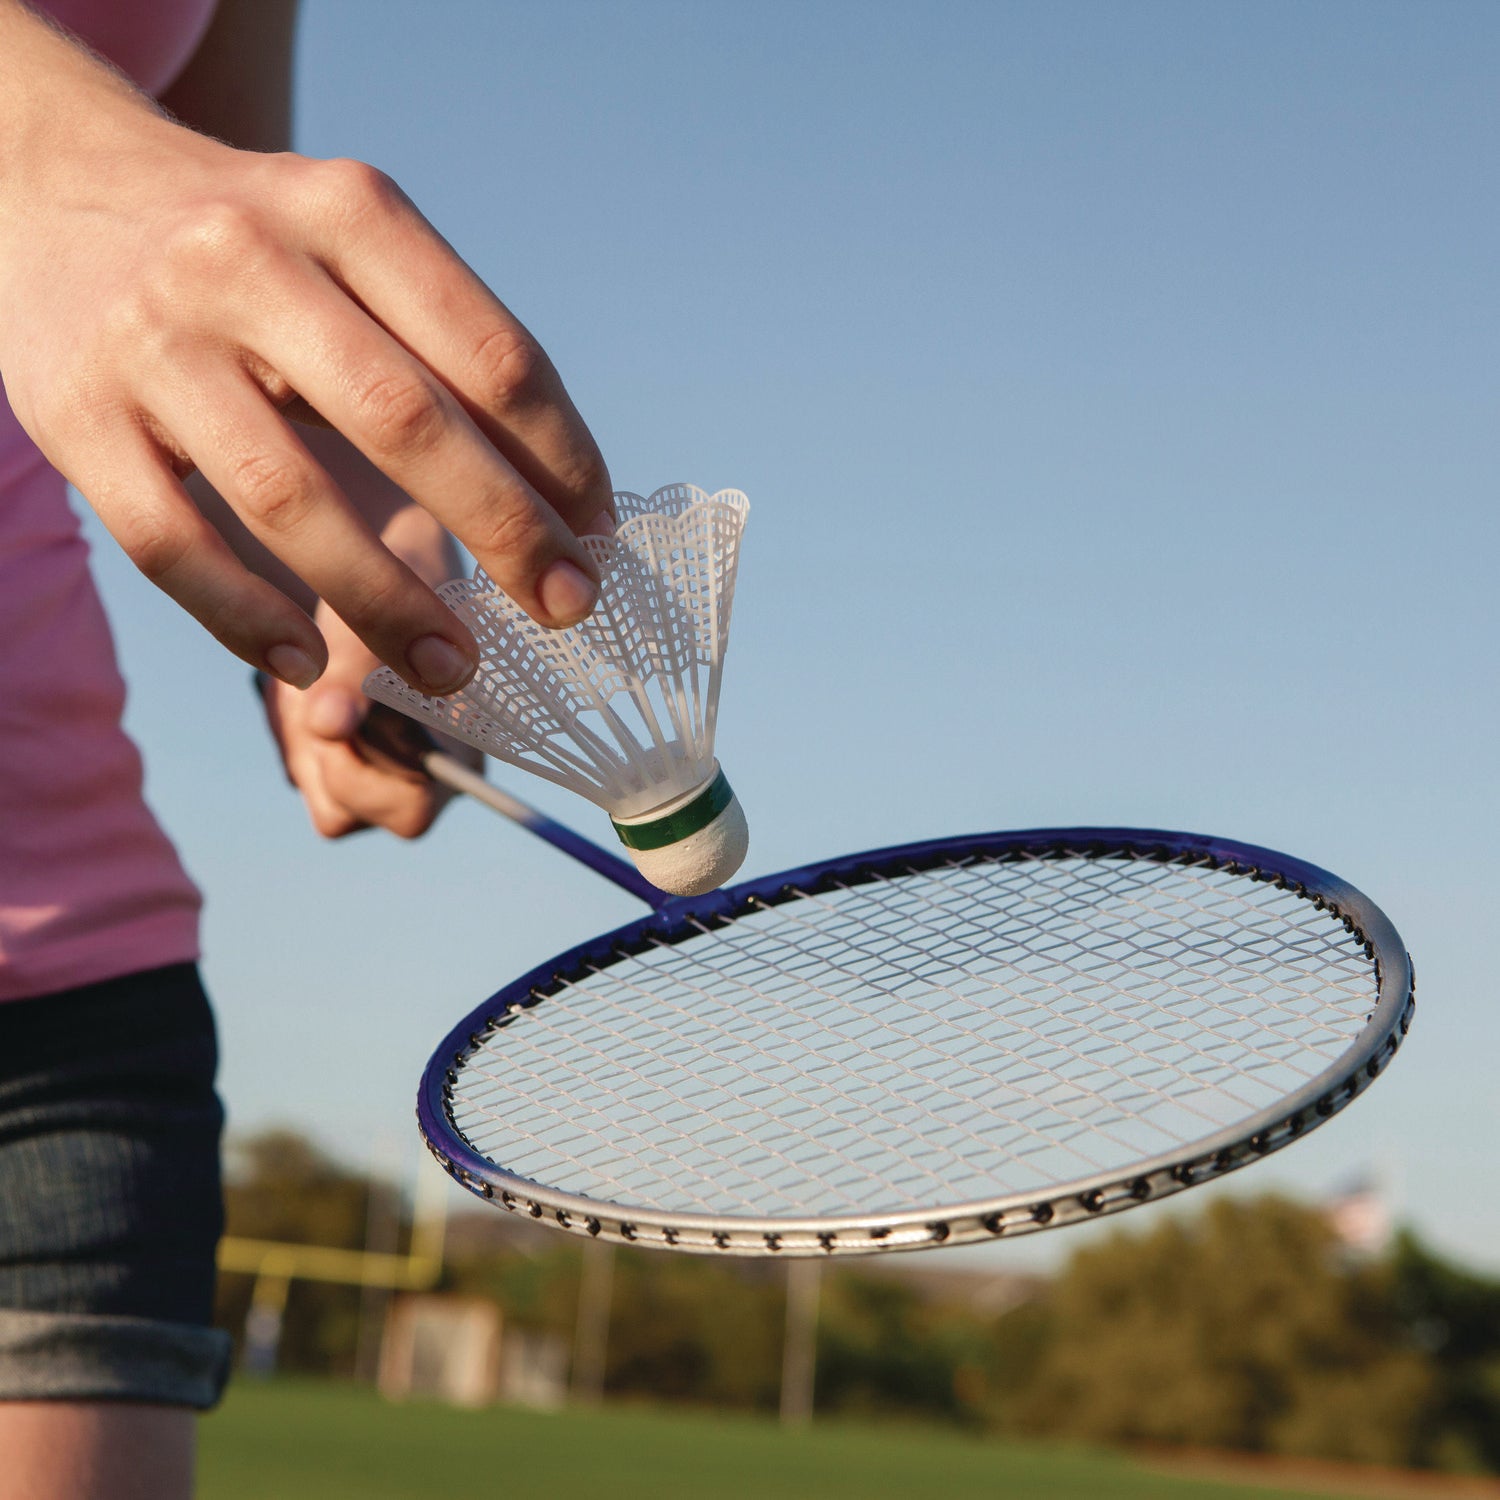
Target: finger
{"points": [[415, 285], [329, 817], [287, 716], [251, 456], [345, 790], [403, 803], [142, 504], [410, 426], [333, 712]]}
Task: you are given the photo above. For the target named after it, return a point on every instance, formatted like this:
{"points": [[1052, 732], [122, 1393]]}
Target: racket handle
{"points": [[403, 740]]}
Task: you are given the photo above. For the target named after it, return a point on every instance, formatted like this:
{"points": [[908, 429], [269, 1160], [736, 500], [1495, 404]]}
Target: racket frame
{"points": [[975, 1220]]}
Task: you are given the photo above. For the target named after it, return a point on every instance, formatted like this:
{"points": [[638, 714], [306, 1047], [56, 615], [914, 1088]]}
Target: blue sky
{"points": [[1115, 389]]}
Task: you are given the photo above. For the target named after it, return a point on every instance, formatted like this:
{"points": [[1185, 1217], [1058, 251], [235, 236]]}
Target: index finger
{"points": [[415, 285]]}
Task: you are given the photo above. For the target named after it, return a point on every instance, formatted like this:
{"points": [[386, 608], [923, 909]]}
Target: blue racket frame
{"points": [[673, 918]]}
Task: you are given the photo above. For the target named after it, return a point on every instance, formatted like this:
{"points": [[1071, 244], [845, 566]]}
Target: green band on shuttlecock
{"points": [[676, 826]]}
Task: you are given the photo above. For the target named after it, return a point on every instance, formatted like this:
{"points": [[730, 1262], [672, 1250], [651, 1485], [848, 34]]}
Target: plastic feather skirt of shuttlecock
{"points": [[621, 708]]}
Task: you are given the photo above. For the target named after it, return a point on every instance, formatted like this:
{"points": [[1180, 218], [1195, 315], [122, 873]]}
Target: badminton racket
{"points": [[947, 1042]]}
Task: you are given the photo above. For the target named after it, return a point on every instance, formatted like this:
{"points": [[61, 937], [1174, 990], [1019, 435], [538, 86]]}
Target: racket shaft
{"points": [[454, 774]]}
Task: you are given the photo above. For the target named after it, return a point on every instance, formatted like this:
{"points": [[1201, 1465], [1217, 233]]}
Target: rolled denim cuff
{"points": [[48, 1356]]}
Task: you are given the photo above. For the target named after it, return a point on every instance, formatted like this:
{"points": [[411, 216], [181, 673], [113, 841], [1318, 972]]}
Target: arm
{"points": [[163, 296]]}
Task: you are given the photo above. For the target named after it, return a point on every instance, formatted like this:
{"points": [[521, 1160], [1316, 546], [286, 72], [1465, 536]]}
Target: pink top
{"points": [[90, 888]]}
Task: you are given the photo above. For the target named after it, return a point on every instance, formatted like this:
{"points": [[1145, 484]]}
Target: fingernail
{"points": [[333, 713], [602, 525], [442, 667], [566, 592], [293, 666]]}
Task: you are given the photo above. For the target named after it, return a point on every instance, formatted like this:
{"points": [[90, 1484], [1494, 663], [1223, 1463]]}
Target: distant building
{"points": [[446, 1348], [1360, 1217], [455, 1349]]}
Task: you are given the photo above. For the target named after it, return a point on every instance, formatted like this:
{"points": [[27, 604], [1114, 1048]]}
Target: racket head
{"points": [[1372, 943]]}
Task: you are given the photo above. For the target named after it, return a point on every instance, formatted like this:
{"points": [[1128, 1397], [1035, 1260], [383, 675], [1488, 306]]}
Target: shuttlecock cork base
{"points": [[621, 708], [691, 845]]}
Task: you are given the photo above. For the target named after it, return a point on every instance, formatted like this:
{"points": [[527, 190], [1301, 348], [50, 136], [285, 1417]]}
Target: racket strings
{"points": [[871, 1096], [696, 1052], [700, 1056], [978, 1027], [946, 1063], [1168, 953], [578, 1133], [1067, 987], [1093, 1056], [598, 1075], [1089, 1055]]}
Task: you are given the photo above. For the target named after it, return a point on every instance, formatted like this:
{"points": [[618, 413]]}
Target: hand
{"points": [[166, 302], [345, 785]]}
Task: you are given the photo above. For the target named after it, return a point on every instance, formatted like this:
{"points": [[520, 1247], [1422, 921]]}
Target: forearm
{"points": [[66, 118], [168, 300], [43, 71]]}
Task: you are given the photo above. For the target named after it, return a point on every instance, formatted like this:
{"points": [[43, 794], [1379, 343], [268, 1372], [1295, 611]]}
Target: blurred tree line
{"points": [[1245, 1325], [1249, 1326]]}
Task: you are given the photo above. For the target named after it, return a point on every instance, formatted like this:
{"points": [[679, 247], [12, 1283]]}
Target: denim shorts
{"points": [[110, 1201]]}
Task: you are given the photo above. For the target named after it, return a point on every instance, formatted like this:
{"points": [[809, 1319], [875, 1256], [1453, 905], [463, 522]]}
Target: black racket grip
{"points": [[394, 737]]}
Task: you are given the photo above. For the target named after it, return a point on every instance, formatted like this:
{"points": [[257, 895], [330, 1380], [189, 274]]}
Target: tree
{"points": [[1244, 1327], [1453, 1316], [885, 1349]]}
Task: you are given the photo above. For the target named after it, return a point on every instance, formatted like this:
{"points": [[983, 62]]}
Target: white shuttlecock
{"points": [[622, 707]]}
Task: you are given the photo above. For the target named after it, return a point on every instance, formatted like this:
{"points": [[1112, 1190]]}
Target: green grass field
{"points": [[307, 1441]]}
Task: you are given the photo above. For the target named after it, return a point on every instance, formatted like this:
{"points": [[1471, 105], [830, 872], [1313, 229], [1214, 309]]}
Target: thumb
{"points": [[334, 710]]}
